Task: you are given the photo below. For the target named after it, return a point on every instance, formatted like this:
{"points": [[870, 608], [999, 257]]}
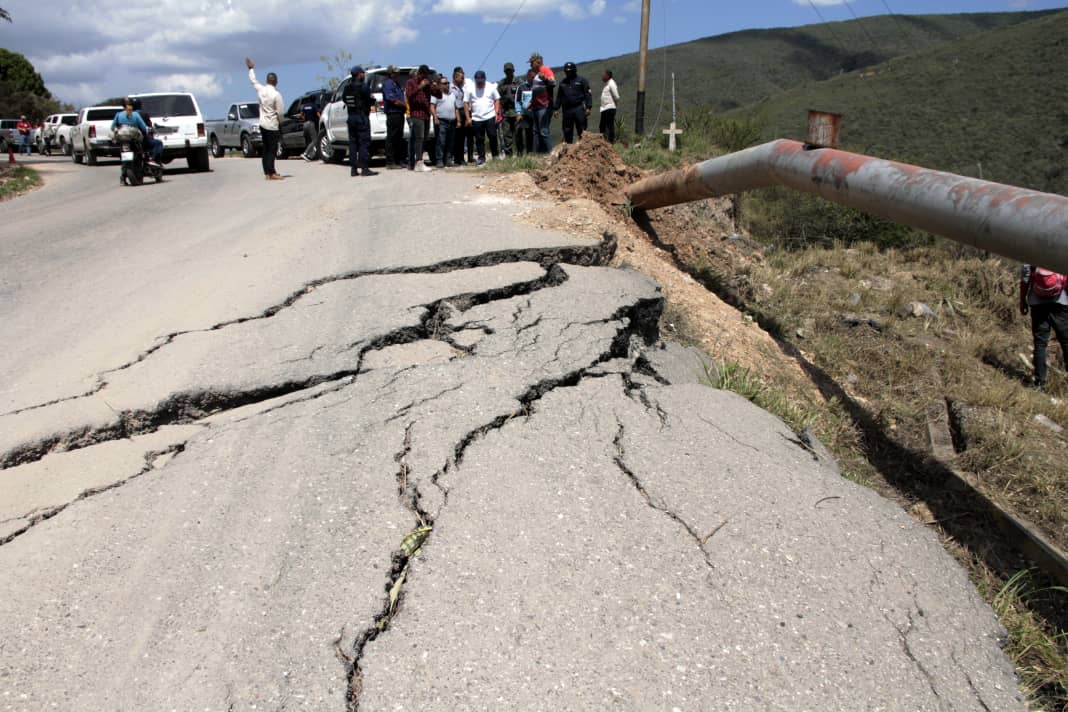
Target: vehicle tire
{"points": [[135, 176], [90, 157], [246, 147], [198, 160], [327, 151], [217, 151]]}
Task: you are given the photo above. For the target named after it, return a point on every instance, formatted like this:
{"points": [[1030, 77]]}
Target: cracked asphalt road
{"points": [[382, 465]]}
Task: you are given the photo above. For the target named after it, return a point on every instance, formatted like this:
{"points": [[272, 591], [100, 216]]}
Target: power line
{"points": [[500, 37]]}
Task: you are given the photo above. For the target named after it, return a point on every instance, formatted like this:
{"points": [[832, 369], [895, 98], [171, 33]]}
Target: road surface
{"points": [[335, 443]]}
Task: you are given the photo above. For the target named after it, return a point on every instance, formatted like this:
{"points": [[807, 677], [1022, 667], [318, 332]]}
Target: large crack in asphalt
{"points": [[188, 407], [154, 459], [639, 321]]}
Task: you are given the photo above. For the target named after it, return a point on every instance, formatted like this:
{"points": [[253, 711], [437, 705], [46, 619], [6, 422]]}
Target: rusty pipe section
{"points": [[1021, 224]]}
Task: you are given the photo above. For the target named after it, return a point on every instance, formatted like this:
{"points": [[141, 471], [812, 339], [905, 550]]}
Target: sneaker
{"points": [[481, 162], [424, 168], [368, 172], [305, 156]]}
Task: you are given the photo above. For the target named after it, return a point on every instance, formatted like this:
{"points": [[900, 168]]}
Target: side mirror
{"points": [[231, 117]]}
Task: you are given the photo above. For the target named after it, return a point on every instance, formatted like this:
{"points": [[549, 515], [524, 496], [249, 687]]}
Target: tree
{"points": [[22, 91], [17, 71], [337, 68]]}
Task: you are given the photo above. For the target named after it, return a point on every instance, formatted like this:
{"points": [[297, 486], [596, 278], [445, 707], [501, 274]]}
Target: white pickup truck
{"points": [[91, 136], [56, 128], [177, 122]]}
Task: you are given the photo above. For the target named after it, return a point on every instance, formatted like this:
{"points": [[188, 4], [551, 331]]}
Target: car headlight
{"points": [[255, 129]]}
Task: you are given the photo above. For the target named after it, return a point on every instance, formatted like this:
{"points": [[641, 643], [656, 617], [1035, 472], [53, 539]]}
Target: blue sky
{"points": [[90, 50]]}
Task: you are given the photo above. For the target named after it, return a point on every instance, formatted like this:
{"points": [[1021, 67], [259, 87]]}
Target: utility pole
{"points": [[643, 61]]}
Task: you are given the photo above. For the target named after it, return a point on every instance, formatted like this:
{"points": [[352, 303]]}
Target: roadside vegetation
{"points": [[897, 329], [17, 179]]}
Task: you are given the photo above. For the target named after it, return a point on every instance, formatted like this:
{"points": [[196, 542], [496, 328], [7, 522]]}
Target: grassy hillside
{"points": [[992, 99], [738, 69]]}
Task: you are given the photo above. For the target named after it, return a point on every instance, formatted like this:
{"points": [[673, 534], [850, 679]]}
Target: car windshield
{"points": [[69, 120], [101, 114], [168, 105], [249, 111]]}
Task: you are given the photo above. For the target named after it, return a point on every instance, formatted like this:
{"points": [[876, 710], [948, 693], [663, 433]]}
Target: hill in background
{"points": [[989, 104]]}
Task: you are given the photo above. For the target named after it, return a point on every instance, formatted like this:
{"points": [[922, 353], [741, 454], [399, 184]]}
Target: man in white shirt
{"points": [[609, 97], [271, 111], [482, 105]]}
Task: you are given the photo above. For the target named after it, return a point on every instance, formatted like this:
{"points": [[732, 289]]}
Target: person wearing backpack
{"points": [[1042, 293]]}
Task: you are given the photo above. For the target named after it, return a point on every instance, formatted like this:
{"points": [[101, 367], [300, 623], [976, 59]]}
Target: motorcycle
{"points": [[136, 165]]}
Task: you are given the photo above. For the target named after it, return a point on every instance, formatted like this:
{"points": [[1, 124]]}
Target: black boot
{"points": [[369, 172], [354, 173]]}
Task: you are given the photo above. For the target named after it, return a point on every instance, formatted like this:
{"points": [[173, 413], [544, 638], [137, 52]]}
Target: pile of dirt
{"points": [[588, 168]]}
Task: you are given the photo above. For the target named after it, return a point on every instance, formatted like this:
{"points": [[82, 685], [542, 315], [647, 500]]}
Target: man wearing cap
{"points": [[24, 128], [482, 105], [358, 101], [393, 98], [574, 99], [506, 87], [541, 103], [271, 107], [418, 91]]}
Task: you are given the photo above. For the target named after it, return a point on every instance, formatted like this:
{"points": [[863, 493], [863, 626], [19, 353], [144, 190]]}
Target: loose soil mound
{"points": [[589, 168]]}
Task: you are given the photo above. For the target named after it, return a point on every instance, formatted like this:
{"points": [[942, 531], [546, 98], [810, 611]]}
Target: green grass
{"points": [[512, 164], [19, 180]]}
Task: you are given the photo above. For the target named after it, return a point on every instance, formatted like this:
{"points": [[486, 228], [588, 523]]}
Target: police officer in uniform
{"points": [[358, 100], [574, 100]]}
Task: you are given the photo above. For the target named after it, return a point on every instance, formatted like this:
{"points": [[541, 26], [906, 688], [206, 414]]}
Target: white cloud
{"points": [[200, 84], [597, 7], [113, 47]]}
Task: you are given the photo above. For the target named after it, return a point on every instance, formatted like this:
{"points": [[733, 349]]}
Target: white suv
{"points": [[333, 122], [178, 123]]}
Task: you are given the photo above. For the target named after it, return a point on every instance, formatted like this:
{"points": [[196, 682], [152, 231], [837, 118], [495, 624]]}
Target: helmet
{"points": [[128, 101], [570, 67]]}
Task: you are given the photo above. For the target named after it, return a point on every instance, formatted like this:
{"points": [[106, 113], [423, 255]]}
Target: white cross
{"points": [[671, 134]]}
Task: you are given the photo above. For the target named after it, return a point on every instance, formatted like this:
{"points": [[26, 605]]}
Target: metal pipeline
{"points": [[1021, 224]]}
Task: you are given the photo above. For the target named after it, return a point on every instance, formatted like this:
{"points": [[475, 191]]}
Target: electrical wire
{"points": [[663, 84], [845, 50], [501, 36]]}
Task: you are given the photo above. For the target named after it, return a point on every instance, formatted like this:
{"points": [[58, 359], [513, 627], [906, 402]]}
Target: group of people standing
{"points": [[514, 115]]}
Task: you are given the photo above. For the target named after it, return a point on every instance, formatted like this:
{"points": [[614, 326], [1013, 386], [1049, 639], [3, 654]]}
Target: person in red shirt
{"points": [[541, 103], [418, 91], [24, 128]]}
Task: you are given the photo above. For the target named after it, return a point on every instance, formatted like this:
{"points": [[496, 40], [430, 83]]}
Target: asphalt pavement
{"points": [[375, 444]]}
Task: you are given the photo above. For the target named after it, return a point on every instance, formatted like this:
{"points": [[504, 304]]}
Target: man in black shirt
{"points": [[358, 100], [574, 99]]}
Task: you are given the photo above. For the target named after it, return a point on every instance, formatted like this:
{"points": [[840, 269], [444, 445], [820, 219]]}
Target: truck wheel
{"points": [[198, 159], [90, 157], [217, 151], [327, 151], [246, 147]]}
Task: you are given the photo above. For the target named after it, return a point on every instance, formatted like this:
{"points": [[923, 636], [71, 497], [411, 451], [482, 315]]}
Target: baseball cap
{"points": [[391, 69], [480, 76], [509, 65], [569, 66], [534, 55], [356, 70]]}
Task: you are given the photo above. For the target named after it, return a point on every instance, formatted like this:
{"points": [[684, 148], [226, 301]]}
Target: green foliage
{"points": [[20, 76], [337, 68], [22, 91], [982, 106], [793, 220], [742, 68], [526, 162], [733, 377]]}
